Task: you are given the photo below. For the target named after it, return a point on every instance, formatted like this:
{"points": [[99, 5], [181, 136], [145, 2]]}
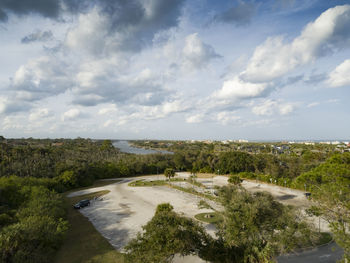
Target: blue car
{"points": [[81, 204]]}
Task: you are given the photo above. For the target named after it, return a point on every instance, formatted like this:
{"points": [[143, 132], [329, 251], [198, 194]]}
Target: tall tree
{"points": [[169, 172], [166, 235]]}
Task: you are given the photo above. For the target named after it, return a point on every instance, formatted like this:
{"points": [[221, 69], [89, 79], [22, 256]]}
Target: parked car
{"points": [[81, 204]]}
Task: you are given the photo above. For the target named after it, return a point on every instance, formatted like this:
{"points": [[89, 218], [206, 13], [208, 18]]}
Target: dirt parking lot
{"points": [[120, 214]]}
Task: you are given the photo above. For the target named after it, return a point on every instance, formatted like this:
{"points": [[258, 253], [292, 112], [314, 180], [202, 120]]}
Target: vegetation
{"points": [[203, 204], [329, 184], [235, 179], [169, 173], [211, 218], [33, 220], [259, 227], [166, 235], [148, 183]]}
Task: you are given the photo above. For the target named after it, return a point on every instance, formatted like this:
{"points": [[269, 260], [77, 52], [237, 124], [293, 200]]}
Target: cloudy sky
{"points": [[175, 69]]}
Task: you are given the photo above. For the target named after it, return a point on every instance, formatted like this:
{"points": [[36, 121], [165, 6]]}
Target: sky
{"points": [[175, 69]]}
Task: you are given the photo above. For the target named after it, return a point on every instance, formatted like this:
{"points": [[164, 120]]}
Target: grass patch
{"points": [[148, 183], [144, 182], [194, 192], [83, 242], [194, 182], [211, 218], [203, 204]]}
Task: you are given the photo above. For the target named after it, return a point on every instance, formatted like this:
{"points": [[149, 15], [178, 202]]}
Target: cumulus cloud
{"points": [[71, 114], [272, 107], [236, 89], [41, 78], [107, 110], [197, 118], [99, 82], [47, 8], [329, 32], [227, 117], [275, 58], [240, 14], [10, 105], [196, 53], [39, 114], [38, 36], [119, 26], [340, 76]]}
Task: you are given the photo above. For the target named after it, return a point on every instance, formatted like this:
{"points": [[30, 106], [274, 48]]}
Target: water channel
{"points": [[124, 146]]}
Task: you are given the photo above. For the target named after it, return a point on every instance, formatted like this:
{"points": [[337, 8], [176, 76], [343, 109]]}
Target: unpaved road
{"points": [[325, 254]]}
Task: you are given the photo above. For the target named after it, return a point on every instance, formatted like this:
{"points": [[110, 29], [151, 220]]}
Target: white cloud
{"points": [[122, 26], [39, 114], [274, 58], [196, 53], [108, 123], [2, 104], [107, 110], [42, 77], [90, 33], [197, 118], [227, 117], [340, 76], [71, 114], [313, 104], [237, 88], [272, 107], [285, 109]]}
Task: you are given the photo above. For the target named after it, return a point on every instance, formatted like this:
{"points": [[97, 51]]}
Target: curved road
{"points": [[330, 253]]}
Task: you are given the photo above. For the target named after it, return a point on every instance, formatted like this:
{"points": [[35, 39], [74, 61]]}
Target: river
{"points": [[125, 147]]}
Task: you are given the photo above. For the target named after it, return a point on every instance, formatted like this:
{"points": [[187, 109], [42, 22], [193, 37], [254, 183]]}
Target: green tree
{"points": [[169, 172], [235, 179], [235, 162], [166, 235], [69, 179], [333, 204], [106, 145], [257, 227], [34, 239]]}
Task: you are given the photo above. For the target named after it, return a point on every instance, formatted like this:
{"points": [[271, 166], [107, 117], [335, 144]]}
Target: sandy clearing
{"points": [[284, 195], [123, 211]]}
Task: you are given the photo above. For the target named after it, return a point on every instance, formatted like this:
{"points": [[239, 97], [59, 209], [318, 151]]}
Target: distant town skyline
{"points": [[180, 69]]}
